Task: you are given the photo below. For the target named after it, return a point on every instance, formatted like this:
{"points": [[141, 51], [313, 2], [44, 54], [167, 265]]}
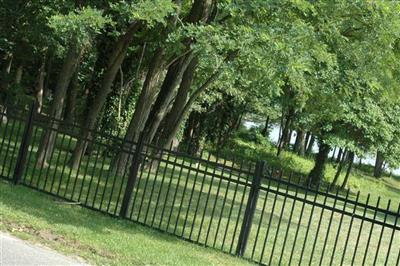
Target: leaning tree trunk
{"points": [[339, 169], [142, 110], [378, 165], [151, 118], [351, 162], [339, 156], [48, 138], [165, 96], [174, 117], [317, 172], [171, 129], [201, 11], [114, 63], [70, 105]]}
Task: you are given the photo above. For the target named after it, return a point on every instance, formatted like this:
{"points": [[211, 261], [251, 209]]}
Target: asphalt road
{"points": [[14, 251]]}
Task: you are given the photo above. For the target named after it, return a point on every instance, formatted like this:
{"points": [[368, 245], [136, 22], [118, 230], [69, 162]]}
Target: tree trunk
{"points": [[114, 63], [68, 69], [70, 105], [18, 74], [174, 117], [39, 87], [339, 170], [142, 110], [339, 156], [6, 68], [309, 149], [378, 165], [286, 132], [264, 132], [299, 144], [192, 133], [201, 11], [165, 96], [346, 178], [49, 69], [171, 129], [278, 144], [317, 173]]}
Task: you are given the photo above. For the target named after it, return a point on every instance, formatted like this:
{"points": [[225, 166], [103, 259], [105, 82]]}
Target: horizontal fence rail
{"points": [[241, 208]]}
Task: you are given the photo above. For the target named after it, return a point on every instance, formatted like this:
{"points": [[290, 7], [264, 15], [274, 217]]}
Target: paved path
{"points": [[14, 251]]}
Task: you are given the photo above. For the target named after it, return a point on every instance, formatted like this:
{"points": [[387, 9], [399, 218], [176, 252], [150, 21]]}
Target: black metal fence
{"points": [[242, 208]]}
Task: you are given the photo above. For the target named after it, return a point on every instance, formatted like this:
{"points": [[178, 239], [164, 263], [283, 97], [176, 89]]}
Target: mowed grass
{"points": [[95, 237], [189, 199], [361, 179]]}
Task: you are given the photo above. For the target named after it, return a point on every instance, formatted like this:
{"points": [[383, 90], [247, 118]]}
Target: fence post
{"points": [[250, 209], [23, 149], [133, 172]]}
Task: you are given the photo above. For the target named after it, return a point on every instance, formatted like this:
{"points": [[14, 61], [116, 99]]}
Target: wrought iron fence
{"points": [[242, 208]]}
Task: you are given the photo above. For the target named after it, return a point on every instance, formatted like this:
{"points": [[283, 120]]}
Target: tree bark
{"points": [[165, 96], [201, 11], [378, 164], [351, 162], [339, 156], [181, 110], [174, 117], [264, 132], [18, 74], [192, 133], [70, 105], [6, 68], [317, 173], [280, 130], [142, 109], [299, 144], [114, 63], [68, 69], [39, 87], [339, 170], [286, 132]]}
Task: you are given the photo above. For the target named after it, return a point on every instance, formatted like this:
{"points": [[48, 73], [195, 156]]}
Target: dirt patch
{"points": [[49, 237]]}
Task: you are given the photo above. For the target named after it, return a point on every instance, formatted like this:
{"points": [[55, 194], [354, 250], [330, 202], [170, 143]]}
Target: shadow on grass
{"points": [[37, 206]]}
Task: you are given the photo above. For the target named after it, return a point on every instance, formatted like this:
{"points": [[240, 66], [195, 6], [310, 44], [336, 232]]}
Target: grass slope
{"points": [[95, 237], [207, 209], [360, 178]]}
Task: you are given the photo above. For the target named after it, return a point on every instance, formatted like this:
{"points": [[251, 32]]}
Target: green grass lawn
{"points": [[360, 179], [188, 199], [95, 237]]}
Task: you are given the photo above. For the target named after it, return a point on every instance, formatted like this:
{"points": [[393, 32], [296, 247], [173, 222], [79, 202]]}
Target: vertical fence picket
{"points": [[250, 209], [23, 151], [205, 200], [392, 235], [132, 177]]}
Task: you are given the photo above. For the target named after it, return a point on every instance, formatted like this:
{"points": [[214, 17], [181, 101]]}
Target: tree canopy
{"points": [[196, 68]]}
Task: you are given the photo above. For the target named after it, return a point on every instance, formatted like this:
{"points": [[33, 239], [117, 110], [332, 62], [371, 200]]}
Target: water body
{"points": [[274, 137]]}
